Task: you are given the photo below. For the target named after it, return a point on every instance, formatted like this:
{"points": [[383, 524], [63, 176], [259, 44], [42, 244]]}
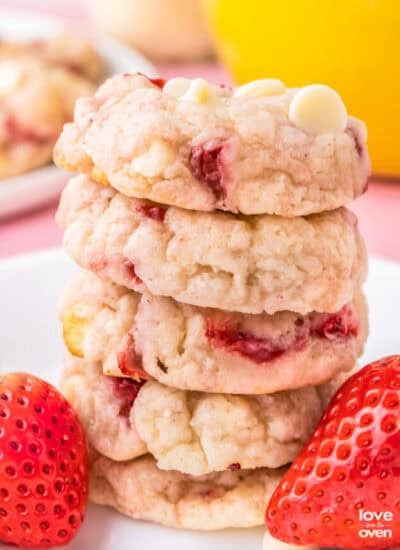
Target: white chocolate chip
{"points": [[318, 109], [154, 162], [270, 543], [261, 88], [199, 91], [10, 76], [176, 87]]}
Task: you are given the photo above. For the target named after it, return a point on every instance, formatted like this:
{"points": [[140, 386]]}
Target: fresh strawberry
{"points": [[43, 464], [344, 488]]}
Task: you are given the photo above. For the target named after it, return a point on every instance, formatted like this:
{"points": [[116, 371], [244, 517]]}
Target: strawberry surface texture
{"points": [[343, 490], [43, 464]]}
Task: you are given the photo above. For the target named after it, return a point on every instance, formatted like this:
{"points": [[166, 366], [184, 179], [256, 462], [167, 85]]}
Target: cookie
{"points": [[142, 491], [258, 149], [191, 432], [204, 349], [66, 50], [246, 264], [104, 407], [198, 433], [36, 100]]}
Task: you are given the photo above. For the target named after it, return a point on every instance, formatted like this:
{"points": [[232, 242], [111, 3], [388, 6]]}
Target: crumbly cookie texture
{"points": [[203, 349], [246, 264], [199, 433], [104, 406], [142, 491], [191, 432], [260, 149], [36, 100]]}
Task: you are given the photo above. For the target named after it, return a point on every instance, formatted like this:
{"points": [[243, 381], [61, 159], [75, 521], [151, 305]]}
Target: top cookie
{"points": [[257, 149]]}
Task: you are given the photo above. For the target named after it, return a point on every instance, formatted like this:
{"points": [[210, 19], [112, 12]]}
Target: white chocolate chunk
{"points": [[199, 91], [271, 543], [10, 76], [261, 88], [318, 109], [154, 162], [176, 87]]}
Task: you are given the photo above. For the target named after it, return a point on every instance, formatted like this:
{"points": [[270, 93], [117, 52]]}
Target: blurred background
{"points": [[351, 45]]}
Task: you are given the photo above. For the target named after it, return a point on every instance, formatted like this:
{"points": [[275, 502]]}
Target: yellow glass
{"points": [[352, 45]]}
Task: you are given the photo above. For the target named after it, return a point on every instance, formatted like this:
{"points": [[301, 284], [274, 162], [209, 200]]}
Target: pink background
{"points": [[378, 210]]}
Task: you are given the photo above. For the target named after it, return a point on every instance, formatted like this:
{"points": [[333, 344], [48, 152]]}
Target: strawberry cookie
{"points": [[219, 500], [198, 433], [191, 432], [36, 100], [66, 50], [246, 264], [104, 406], [204, 349], [261, 148]]}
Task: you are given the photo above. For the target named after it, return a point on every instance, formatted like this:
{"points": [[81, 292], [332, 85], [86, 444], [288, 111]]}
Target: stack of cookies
{"points": [[219, 306]]}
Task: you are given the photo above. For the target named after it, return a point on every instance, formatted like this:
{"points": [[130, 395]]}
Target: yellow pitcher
{"points": [[352, 45]]}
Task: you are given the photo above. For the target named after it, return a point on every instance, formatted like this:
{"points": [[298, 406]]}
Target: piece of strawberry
{"points": [[343, 490], [43, 464]]}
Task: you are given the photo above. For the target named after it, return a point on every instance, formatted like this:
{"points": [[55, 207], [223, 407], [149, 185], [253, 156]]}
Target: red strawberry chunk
{"points": [[129, 361], [125, 390], [130, 273], [260, 350], [18, 133], [156, 213], [207, 165], [160, 82], [336, 326], [232, 338]]}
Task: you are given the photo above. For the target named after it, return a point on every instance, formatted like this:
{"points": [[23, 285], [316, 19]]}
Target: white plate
{"points": [[41, 186], [30, 340]]}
